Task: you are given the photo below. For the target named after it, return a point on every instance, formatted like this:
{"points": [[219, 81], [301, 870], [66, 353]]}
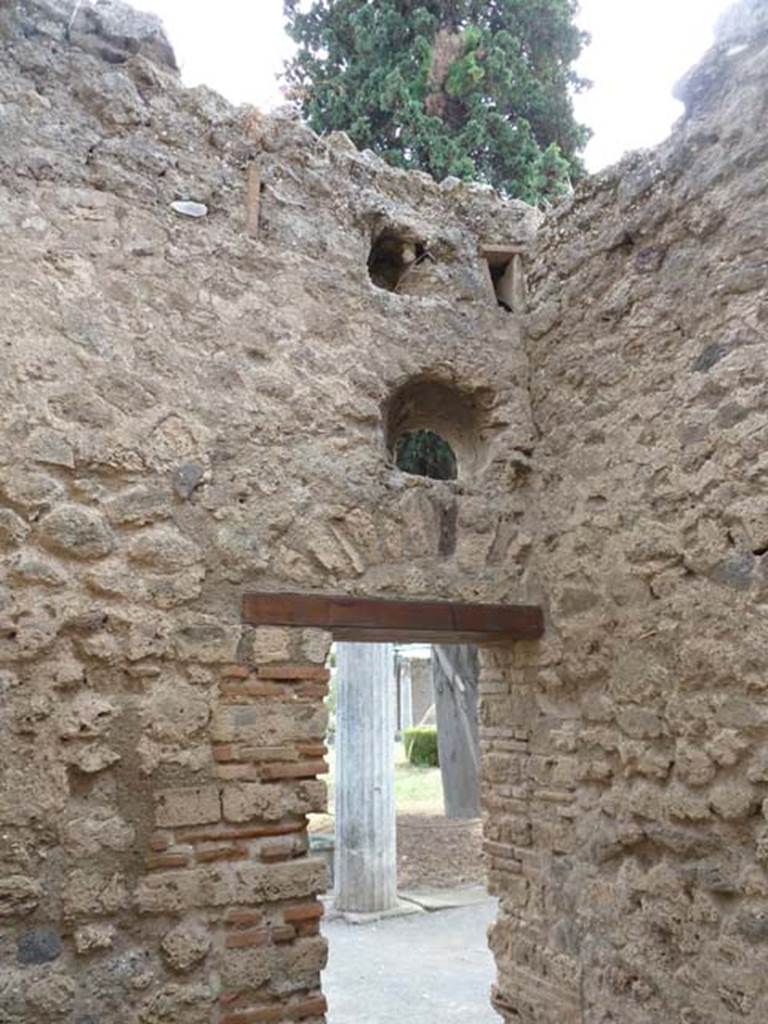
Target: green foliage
{"points": [[421, 746], [479, 89], [424, 453]]}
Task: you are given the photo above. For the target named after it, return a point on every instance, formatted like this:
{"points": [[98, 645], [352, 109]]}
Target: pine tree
{"points": [[479, 89]]}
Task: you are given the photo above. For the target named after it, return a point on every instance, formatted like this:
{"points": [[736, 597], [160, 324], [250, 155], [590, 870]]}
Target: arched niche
{"points": [[447, 410]]}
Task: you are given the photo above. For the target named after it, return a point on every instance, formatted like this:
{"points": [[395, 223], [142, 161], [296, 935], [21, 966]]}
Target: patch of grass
{"points": [[417, 790], [420, 745]]}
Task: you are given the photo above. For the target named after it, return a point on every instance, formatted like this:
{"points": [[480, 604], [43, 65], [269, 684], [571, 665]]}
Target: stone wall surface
{"points": [[195, 390], [198, 381], [629, 800]]}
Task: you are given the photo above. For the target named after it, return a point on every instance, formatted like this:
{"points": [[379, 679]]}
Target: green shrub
{"points": [[421, 746]]}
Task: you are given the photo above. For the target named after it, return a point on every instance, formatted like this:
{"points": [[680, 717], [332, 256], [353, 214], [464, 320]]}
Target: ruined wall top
{"points": [[109, 29]]}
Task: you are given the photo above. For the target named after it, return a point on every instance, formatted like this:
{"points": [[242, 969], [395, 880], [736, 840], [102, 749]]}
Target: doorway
{"points": [[366, 622]]}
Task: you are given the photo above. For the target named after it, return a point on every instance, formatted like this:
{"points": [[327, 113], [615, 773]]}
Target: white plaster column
{"points": [[365, 864]]}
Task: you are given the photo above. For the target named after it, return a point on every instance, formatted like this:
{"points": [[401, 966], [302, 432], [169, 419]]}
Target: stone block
{"points": [[30, 490], [734, 801], [268, 883], [247, 801], [298, 965], [86, 715], [207, 642], [75, 531], [199, 805], [185, 946], [192, 1004], [268, 723], [244, 970], [639, 723], [94, 831], [52, 448], [92, 938], [171, 892], [39, 946], [51, 995], [13, 529], [174, 712], [91, 893], [19, 895], [139, 506], [163, 550], [35, 571], [267, 644], [316, 645]]}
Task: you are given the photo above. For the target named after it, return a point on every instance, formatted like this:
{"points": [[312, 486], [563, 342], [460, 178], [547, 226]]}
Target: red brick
{"points": [[247, 939], [244, 917], [243, 752], [272, 852], [313, 1006], [233, 833], [237, 772], [166, 861], [312, 691], [295, 671], [245, 692], [312, 750], [221, 853], [307, 928], [235, 672], [159, 841], [302, 770], [304, 912]]}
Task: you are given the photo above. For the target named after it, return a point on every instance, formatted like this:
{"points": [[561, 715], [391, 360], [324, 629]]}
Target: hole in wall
{"points": [[393, 253], [505, 275], [425, 453], [434, 429], [501, 278]]}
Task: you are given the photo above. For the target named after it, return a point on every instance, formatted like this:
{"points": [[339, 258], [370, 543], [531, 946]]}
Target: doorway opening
{"points": [[404, 962], [418, 863]]}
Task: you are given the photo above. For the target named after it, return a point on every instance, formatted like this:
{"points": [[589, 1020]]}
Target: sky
{"points": [[639, 49]]}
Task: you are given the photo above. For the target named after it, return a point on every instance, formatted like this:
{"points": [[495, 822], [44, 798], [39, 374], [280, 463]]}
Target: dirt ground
{"points": [[432, 852], [437, 853]]}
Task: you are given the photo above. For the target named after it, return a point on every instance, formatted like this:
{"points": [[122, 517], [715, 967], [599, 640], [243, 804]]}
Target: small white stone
{"points": [[188, 208], [93, 937]]}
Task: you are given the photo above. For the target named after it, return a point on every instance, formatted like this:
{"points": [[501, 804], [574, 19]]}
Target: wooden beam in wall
{"points": [[498, 255], [385, 621]]}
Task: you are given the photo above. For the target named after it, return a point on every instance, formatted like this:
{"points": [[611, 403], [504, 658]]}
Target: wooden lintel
{"points": [[499, 254], [389, 621]]}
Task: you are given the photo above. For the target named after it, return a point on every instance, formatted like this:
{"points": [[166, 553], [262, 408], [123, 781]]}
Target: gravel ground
{"points": [[435, 852], [430, 968]]}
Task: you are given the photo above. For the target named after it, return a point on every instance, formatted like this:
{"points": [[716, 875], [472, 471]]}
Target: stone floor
{"points": [[419, 969]]}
